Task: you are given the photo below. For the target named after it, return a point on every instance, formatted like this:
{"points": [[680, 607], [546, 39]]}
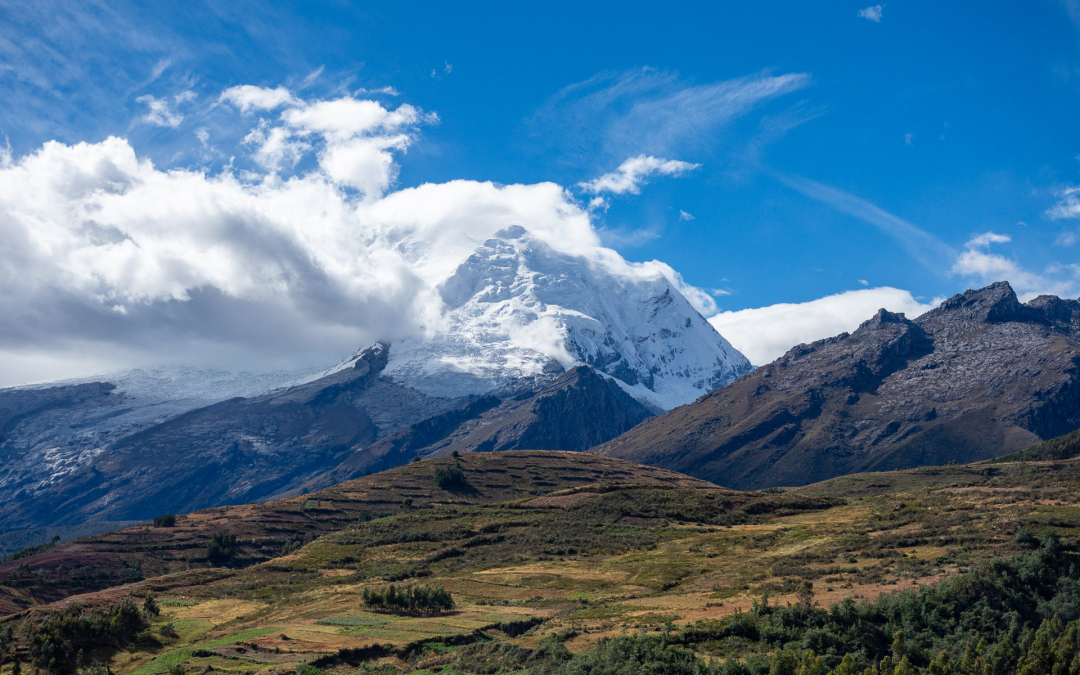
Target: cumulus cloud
{"points": [[358, 137], [977, 262], [764, 334], [872, 13], [632, 174], [107, 254]]}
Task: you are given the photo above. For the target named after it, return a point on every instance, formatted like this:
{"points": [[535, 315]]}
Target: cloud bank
{"points": [[764, 334], [112, 262]]}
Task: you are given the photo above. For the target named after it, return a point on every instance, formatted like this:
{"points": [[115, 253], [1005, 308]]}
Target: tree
{"points": [[167, 520]]}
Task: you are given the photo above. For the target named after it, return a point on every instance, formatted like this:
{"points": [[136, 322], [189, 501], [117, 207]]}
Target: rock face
{"points": [[980, 376]]}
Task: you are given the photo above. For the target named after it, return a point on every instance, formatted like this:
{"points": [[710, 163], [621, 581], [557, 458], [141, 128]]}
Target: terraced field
{"points": [[550, 544]]}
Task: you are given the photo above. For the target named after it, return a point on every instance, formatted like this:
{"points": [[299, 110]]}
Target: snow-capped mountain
{"points": [[517, 308]]}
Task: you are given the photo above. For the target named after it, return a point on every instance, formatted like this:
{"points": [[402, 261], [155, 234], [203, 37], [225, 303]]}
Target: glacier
{"points": [[519, 311]]}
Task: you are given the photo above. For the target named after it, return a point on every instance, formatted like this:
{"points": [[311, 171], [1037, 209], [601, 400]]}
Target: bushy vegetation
{"points": [[410, 600], [1062, 447], [65, 640], [6, 638], [166, 520], [221, 548], [32, 550], [451, 477]]}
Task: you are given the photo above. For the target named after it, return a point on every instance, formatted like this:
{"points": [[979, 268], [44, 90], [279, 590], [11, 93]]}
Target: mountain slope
{"points": [[576, 411], [490, 374], [978, 377], [235, 451]]}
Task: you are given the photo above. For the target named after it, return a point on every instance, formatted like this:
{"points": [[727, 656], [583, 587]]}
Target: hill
{"points": [[266, 530], [980, 376], [566, 574]]}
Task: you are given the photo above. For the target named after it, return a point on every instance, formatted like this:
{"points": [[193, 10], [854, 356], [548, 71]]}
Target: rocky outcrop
{"points": [[980, 376]]}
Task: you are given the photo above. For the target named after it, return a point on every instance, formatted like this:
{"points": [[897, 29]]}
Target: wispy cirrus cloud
{"points": [[924, 247], [614, 115], [163, 112]]}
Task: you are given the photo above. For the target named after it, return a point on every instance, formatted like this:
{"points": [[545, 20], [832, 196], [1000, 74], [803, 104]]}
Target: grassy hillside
{"points": [[266, 531], [548, 555]]}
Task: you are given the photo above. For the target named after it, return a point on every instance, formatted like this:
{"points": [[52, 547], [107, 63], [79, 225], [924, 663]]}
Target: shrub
{"points": [[167, 520], [451, 477]]}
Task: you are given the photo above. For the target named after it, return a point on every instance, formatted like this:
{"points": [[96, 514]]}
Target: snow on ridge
{"points": [[517, 308]]}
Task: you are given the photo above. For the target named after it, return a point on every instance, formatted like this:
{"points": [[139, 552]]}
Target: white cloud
{"points": [[162, 112], [683, 215], [764, 334], [106, 254], [977, 262], [248, 97], [1067, 239], [909, 139], [872, 13], [389, 91], [1068, 206], [449, 68], [986, 238], [633, 172]]}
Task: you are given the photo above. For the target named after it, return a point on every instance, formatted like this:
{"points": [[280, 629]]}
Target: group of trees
{"points": [[221, 548], [410, 600], [166, 520], [67, 639], [1017, 616]]}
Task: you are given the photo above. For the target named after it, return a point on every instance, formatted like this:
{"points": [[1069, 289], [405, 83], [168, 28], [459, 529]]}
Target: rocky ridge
{"points": [[980, 376]]}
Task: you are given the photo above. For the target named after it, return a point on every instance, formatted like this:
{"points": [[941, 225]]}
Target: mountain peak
{"points": [[518, 308], [996, 303]]}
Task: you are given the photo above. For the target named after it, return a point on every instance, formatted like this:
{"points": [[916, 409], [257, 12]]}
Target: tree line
{"points": [[409, 600]]}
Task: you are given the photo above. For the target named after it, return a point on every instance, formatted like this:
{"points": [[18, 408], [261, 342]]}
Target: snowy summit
{"points": [[517, 308]]}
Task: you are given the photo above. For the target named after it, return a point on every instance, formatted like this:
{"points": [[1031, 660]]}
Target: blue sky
{"points": [[890, 136]]}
